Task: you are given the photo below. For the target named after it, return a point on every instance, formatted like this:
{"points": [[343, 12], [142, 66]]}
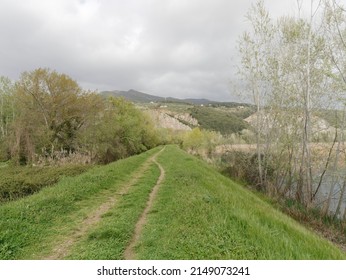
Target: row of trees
{"points": [[293, 68], [46, 115]]}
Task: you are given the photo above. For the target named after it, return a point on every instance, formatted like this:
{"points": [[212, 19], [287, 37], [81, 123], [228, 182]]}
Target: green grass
{"points": [[29, 227], [200, 214], [110, 238], [197, 214]]}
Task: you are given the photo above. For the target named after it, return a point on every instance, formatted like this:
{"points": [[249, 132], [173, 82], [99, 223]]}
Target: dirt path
{"points": [[61, 250], [129, 253]]}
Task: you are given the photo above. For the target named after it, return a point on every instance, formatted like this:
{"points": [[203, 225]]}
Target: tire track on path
{"points": [[62, 250], [129, 253]]}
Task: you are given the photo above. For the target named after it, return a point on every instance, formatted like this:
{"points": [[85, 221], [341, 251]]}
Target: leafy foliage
{"points": [[200, 141], [51, 114], [119, 131]]}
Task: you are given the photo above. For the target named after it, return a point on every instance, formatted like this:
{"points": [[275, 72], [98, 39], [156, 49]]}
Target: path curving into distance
{"points": [[62, 250], [129, 253]]}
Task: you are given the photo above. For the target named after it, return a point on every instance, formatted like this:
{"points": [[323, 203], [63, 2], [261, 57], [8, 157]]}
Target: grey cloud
{"points": [[171, 48]]}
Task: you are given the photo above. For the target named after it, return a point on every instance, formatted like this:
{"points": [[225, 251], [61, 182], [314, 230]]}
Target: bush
{"points": [[121, 131], [244, 166], [199, 141], [17, 182]]}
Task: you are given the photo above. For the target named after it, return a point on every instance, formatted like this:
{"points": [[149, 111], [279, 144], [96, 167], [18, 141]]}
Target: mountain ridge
{"points": [[141, 97]]}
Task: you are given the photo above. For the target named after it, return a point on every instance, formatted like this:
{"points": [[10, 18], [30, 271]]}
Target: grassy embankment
{"points": [[31, 227], [198, 214]]}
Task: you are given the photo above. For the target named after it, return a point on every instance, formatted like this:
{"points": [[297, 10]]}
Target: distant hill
{"points": [[134, 96], [224, 117], [140, 97]]}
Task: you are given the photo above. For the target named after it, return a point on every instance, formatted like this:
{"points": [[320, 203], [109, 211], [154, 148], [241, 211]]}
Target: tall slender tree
{"points": [[255, 47]]}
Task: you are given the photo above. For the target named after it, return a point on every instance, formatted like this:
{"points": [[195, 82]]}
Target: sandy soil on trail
{"points": [[129, 253], [62, 250]]}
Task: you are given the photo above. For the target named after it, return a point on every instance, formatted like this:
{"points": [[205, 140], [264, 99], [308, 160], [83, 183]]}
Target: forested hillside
{"points": [[225, 122]]}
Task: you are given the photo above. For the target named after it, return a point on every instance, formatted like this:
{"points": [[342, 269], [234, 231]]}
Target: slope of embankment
{"points": [[162, 204]]}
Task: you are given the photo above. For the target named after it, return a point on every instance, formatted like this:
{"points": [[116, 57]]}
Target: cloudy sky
{"points": [[179, 48]]}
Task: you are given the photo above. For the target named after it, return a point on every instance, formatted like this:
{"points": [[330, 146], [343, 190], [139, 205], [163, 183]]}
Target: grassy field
{"points": [[197, 214]]}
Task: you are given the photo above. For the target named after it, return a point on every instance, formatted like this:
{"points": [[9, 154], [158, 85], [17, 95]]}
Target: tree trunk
{"points": [[2, 129], [327, 163], [258, 142], [326, 205], [342, 193], [307, 121]]}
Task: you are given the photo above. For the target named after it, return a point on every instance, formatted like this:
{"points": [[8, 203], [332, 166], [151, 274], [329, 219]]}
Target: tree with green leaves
{"points": [[52, 108], [119, 131]]}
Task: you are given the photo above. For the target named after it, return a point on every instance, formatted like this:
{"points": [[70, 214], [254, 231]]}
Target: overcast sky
{"points": [[178, 48]]}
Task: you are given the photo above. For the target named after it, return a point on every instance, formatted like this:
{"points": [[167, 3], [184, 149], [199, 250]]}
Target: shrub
{"points": [[244, 166], [18, 181]]}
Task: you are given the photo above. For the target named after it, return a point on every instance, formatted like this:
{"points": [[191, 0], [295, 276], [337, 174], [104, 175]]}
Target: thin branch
{"points": [[326, 165]]}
